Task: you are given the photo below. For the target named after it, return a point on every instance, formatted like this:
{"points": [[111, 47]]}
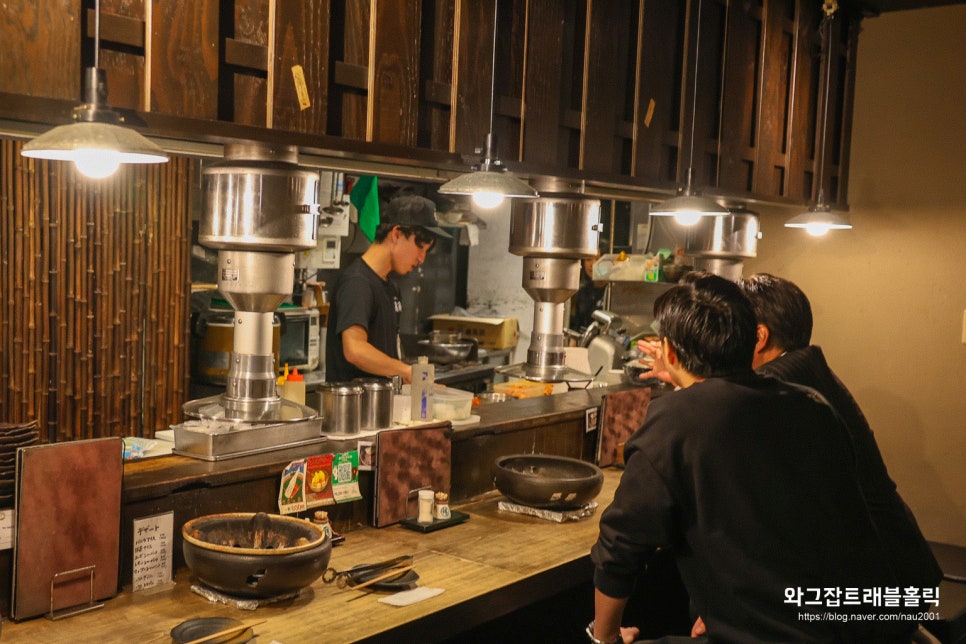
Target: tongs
{"points": [[367, 574]]}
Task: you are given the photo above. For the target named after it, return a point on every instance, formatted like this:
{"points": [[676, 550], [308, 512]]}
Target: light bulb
{"points": [[97, 163], [487, 199], [687, 217], [816, 229]]}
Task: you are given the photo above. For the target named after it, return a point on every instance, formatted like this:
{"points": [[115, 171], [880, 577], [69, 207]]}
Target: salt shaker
{"points": [[425, 507], [441, 508]]}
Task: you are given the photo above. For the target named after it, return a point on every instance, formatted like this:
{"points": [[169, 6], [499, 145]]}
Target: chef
{"points": [[363, 331]]}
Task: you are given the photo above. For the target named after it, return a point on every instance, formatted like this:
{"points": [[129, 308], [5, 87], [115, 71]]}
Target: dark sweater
{"points": [[751, 483], [908, 550]]}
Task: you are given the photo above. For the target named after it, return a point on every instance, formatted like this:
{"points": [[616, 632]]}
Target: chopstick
{"points": [[228, 631], [391, 573]]}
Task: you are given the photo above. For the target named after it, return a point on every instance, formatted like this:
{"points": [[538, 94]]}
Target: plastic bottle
{"points": [[421, 390], [295, 387]]}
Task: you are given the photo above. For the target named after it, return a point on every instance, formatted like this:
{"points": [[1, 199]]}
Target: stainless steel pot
{"points": [[341, 407], [376, 403]]}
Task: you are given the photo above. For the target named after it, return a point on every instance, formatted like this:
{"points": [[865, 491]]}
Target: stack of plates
{"points": [[12, 436]]}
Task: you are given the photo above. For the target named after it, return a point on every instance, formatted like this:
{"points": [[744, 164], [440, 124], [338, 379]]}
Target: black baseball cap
{"points": [[413, 210]]}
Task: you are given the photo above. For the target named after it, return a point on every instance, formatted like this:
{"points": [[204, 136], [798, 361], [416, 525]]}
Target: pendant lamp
{"points": [[689, 206], [489, 183], [95, 141], [819, 219]]}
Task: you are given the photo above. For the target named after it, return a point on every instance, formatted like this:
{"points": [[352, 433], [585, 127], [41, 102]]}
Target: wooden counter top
{"points": [[493, 563]]}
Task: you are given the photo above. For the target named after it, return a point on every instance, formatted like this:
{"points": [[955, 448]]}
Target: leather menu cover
{"points": [[68, 519], [622, 413], [409, 459]]}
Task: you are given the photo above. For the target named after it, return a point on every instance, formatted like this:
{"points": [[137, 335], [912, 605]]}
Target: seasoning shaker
{"points": [[425, 507], [441, 508]]}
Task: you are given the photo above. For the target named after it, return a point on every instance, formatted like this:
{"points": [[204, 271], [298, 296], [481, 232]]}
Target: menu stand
{"points": [[70, 611]]}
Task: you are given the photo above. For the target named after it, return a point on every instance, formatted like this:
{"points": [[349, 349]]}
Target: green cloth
{"points": [[365, 197]]}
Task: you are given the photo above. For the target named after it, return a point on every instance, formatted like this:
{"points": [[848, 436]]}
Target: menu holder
{"points": [[66, 550], [409, 459], [622, 413]]}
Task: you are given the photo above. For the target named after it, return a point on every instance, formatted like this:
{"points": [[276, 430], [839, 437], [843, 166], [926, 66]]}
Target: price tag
{"points": [[153, 550]]}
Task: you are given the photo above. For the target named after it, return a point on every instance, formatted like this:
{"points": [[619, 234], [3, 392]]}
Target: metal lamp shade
{"points": [[819, 220], [483, 181], [75, 140]]}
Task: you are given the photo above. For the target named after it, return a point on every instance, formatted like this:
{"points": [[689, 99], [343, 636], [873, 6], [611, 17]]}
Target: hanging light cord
{"points": [[694, 94], [825, 30], [487, 160], [97, 32]]}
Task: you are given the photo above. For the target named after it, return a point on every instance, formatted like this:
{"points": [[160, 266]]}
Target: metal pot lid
{"points": [[341, 388], [372, 384]]}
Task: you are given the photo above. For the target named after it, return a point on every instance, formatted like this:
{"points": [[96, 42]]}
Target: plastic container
{"points": [[421, 390], [294, 388], [452, 404]]}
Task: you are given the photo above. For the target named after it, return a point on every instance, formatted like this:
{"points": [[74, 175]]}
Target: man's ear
{"points": [[670, 355], [763, 336]]}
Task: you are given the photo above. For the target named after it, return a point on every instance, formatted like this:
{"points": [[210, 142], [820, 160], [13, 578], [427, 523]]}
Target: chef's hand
{"points": [[658, 368], [698, 629]]}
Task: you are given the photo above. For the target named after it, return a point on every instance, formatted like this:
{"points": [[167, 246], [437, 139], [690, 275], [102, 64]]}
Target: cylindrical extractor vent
{"points": [[729, 236], [258, 198], [555, 228]]}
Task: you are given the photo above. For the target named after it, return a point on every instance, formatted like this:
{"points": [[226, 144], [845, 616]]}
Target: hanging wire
{"points": [[496, 7], [694, 91], [825, 34], [97, 32]]}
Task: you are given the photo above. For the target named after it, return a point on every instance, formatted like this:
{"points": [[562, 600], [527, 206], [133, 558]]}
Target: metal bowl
{"points": [[445, 352], [255, 555], [544, 481]]}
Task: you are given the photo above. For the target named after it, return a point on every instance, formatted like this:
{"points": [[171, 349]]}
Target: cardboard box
{"points": [[490, 333]]}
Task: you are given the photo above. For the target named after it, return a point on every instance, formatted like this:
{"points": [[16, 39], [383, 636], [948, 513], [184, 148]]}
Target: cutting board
{"points": [[68, 502], [621, 414], [407, 460]]}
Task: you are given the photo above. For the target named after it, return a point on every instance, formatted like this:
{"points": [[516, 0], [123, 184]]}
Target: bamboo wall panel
{"points": [[660, 37], [394, 73], [549, 74], [184, 58], [29, 64], [302, 37], [95, 282], [244, 83], [609, 33]]}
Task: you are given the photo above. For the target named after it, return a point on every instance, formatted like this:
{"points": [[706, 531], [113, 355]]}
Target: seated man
{"points": [[782, 350], [750, 483]]}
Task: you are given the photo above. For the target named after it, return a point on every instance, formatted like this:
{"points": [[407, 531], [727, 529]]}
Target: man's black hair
{"points": [[782, 307], [423, 236], [710, 324]]}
